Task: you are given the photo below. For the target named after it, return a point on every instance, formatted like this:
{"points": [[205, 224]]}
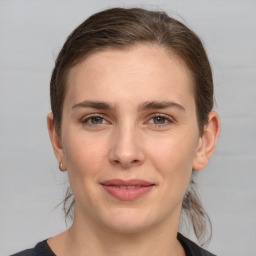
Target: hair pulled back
{"points": [[122, 28]]}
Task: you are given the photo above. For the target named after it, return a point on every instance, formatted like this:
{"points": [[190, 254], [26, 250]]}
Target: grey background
{"points": [[31, 35]]}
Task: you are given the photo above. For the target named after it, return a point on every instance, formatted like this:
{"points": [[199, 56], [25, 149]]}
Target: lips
{"points": [[127, 190]]}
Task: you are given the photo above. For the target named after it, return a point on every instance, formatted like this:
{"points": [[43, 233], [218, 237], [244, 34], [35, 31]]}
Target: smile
{"points": [[128, 187], [127, 190]]}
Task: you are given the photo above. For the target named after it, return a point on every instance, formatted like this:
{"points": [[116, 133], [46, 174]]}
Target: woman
{"points": [[131, 122]]}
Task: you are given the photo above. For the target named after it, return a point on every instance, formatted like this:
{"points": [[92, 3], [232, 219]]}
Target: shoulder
{"points": [[28, 252], [41, 249], [191, 248]]}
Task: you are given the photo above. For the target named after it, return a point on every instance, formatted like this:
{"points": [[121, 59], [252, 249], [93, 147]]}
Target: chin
{"points": [[128, 221]]}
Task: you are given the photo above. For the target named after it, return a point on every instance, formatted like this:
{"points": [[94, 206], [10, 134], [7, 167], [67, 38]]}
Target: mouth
{"points": [[127, 190]]}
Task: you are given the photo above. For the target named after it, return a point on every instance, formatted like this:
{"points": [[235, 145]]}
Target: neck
{"points": [[85, 238]]}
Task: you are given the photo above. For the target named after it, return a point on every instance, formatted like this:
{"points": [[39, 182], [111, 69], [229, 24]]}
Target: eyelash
{"points": [[168, 119], [85, 121]]}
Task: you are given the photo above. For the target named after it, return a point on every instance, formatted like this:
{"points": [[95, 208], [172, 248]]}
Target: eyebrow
{"points": [[148, 105], [94, 104]]}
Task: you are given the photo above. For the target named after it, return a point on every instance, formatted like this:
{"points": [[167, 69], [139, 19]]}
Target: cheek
{"points": [[82, 150], [177, 150], [85, 157], [174, 160]]}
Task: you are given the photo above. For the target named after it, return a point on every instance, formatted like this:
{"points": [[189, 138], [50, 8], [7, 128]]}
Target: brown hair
{"points": [[122, 28]]}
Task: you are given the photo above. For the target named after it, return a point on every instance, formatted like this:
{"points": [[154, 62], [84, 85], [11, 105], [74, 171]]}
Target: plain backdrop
{"points": [[31, 186]]}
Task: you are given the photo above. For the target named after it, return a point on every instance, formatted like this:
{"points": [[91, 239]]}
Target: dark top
{"points": [[43, 249]]}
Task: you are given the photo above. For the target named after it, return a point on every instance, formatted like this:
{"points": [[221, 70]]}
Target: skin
{"points": [[129, 143]]}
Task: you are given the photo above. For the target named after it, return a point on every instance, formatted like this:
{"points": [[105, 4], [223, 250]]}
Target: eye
{"points": [[94, 120], [160, 120]]}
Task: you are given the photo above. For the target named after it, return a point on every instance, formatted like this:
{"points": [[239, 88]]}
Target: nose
{"points": [[126, 148]]}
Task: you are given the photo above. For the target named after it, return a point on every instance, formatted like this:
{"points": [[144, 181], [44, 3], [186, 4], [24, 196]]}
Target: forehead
{"points": [[145, 70]]}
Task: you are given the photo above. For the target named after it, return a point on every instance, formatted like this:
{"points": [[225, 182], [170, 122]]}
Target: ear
{"points": [[56, 142], [207, 142]]}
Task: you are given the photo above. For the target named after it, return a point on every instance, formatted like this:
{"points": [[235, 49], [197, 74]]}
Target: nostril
{"points": [[125, 163]]}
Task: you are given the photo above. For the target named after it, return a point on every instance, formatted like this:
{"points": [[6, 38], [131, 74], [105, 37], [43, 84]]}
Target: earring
{"points": [[61, 167]]}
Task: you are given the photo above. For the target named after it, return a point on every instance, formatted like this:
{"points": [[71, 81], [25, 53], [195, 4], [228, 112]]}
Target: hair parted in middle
{"points": [[122, 28]]}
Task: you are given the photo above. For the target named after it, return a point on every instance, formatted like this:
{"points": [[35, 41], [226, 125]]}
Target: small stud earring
{"points": [[61, 167]]}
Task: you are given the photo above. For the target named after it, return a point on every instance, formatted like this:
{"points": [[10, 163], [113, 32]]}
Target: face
{"points": [[129, 137]]}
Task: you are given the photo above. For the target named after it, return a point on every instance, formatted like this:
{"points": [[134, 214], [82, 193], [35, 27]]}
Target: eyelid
{"points": [[87, 117], [167, 117]]}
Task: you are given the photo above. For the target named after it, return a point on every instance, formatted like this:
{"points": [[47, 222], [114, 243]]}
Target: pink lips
{"points": [[127, 189]]}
